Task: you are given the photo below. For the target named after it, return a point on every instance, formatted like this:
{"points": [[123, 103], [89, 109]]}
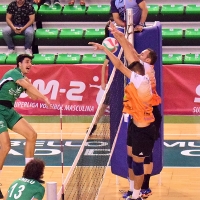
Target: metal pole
{"points": [[129, 23]]}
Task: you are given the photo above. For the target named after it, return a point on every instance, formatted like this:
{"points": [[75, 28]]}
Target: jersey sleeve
{"points": [[113, 7], [40, 194], [16, 75], [10, 9], [139, 1]]}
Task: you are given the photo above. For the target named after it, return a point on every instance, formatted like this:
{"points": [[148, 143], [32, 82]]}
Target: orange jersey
{"points": [[137, 99], [149, 70]]}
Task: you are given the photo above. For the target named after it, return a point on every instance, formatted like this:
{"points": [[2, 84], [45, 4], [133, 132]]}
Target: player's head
{"points": [[137, 67], [22, 57], [148, 56], [106, 27], [34, 169]]}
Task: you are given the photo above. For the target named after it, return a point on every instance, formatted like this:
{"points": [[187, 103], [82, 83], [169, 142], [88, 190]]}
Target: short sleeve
{"points": [[16, 75], [40, 194], [31, 9], [10, 9], [113, 7], [139, 1]]}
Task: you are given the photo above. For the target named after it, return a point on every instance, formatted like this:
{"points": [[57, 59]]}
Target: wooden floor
{"points": [[172, 183]]}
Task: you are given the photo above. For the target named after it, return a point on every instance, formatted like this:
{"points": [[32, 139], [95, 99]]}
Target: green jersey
{"points": [[25, 189], [9, 89]]}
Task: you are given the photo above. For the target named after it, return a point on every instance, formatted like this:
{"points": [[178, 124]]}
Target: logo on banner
{"points": [[197, 100]]}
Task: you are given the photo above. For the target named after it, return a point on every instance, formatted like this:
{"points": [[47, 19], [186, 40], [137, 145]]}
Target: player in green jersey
{"points": [[28, 187], [12, 84]]}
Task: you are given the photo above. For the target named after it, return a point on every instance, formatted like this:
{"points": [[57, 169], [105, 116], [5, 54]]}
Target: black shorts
{"points": [[158, 120], [141, 139]]}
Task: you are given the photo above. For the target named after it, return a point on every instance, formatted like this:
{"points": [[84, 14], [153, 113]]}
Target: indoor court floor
{"points": [[174, 182]]}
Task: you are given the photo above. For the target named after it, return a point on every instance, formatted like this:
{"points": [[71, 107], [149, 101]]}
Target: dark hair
{"points": [[106, 27], [152, 55], [34, 169], [21, 57], [136, 66]]}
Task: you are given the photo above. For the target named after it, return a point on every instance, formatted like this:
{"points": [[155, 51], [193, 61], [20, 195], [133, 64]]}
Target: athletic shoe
{"points": [[129, 198], [10, 51], [127, 194], [29, 52], [56, 2], [93, 129], [47, 3], [1, 195], [144, 193]]}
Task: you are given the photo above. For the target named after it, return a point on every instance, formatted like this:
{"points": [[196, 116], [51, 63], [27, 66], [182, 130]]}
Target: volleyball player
{"points": [[12, 84], [148, 58], [137, 103], [29, 186]]}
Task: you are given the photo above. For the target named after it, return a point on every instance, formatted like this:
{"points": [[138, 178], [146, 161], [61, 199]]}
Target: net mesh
{"points": [[85, 176]]}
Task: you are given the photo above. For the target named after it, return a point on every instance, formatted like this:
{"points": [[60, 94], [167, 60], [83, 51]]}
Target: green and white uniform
{"points": [[25, 189], [9, 92]]}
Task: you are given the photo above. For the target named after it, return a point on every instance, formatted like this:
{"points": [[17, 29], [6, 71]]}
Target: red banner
{"points": [[77, 89], [181, 89], [74, 87]]}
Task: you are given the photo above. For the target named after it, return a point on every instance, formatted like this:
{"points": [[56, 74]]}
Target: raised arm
{"points": [[130, 53], [103, 74], [116, 61]]}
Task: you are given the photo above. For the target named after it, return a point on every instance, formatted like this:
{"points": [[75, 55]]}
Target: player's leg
{"points": [[148, 167], [25, 129], [4, 147]]}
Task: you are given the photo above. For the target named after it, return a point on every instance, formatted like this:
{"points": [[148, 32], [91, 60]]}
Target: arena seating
{"points": [[68, 29]]}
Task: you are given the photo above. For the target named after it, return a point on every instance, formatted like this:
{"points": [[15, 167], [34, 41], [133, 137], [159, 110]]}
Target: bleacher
{"points": [[62, 32]]}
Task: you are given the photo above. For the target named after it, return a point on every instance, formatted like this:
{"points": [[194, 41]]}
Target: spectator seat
{"points": [[68, 59], [2, 58], [74, 10], [43, 33], [172, 33], [172, 59], [192, 59], [98, 10], [93, 58], [11, 59], [71, 33], [192, 33], [43, 59], [192, 9], [50, 10], [92, 33], [172, 9], [153, 9]]}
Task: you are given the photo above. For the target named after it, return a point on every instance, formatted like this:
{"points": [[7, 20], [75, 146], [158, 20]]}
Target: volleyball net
{"points": [[86, 174]]}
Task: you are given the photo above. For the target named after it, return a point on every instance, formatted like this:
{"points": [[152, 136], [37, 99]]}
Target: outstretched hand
{"points": [[97, 46], [113, 29]]}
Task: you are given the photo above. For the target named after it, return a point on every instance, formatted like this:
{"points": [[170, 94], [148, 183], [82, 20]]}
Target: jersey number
{"points": [[17, 193]]}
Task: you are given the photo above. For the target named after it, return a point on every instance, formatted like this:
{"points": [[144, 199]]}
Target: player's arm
{"points": [[5, 196], [32, 90], [116, 61], [130, 53], [115, 15], [9, 22], [143, 18], [103, 74]]}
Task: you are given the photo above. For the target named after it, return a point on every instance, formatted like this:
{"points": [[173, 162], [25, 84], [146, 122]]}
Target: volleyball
{"points": [[111, 44]]}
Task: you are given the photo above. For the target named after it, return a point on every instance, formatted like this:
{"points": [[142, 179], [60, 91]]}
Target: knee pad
{"points": [[129, 161], [138, 168]]}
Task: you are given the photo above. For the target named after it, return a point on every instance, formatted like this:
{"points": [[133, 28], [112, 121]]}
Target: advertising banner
{"points": [[181, 89], [74, 87]]}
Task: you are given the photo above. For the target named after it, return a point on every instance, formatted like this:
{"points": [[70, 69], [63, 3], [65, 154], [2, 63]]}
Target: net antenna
{"points": [[61, 148], [81, 182]]}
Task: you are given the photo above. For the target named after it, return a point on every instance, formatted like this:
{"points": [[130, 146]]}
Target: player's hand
{"points": [[46, 100], [103, 86], [138, 28], [97, 46], [36, 1]]}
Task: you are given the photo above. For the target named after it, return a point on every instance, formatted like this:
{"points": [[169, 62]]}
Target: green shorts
{"points": [[8, 118]]}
